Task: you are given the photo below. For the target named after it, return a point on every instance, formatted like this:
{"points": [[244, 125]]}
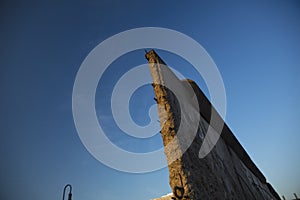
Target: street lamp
{"points": [[70, 192]]}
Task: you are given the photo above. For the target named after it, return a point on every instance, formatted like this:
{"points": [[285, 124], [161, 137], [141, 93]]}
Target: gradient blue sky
{"points": [[256, 46]]}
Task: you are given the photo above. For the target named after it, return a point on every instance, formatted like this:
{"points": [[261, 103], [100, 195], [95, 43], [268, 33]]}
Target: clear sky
{"points": [[256, 46]]}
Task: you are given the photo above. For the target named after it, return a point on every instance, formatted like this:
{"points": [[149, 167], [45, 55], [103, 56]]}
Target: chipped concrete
{"points": [[227, 172]]}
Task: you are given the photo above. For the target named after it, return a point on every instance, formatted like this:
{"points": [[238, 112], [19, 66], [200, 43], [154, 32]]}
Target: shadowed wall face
{"points": [[227, 172]]}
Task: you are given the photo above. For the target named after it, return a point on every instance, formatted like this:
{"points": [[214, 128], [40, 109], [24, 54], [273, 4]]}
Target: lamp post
{"points": [[70, 192]]}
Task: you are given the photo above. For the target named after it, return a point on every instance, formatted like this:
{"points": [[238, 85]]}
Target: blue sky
{"points": [[254, 44]]}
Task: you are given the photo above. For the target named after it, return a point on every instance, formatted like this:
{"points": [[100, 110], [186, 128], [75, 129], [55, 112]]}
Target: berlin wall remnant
{"points": [[227, 172]]}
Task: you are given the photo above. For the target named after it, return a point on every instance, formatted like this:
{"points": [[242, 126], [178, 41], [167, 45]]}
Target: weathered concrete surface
{"points": [[227, 172]]}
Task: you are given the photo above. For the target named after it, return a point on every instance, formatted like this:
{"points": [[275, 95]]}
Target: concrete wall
{"points": [[227, 172]]}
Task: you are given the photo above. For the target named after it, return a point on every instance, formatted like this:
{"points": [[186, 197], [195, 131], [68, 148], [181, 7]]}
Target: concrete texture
{"points": [[227, 172]]}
